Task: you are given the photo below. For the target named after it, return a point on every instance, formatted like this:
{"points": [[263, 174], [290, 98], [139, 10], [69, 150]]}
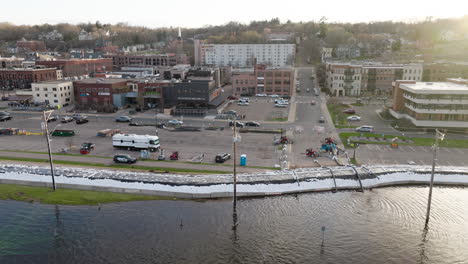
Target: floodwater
{"points": [[378, 226]]}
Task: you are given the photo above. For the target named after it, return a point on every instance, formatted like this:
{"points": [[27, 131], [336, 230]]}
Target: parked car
{"points": [[76, 116], [232, 97], [322, 119], [281, 105], [4, 116], [274, 96], [245, 99], [313, 103], [175, 122], [353, 118], [222, 157], [124, 158], [243, 103], [52, 119], [123, 119], [86, 148], [369, 129], [5, 98], [81, 120], [238, 124], [230, 112], [261, 95], [252, 124], [350, 111], [308, 90], [66, 119]]}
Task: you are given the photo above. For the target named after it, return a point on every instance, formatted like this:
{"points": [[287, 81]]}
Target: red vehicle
{"points": [[311, 153], [283, 140], [350, 111], [329, 140], [175, 155], [232, 97], [86, 148]]}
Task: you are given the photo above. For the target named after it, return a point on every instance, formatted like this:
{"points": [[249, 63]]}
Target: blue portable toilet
{"points": [[243, 160]]}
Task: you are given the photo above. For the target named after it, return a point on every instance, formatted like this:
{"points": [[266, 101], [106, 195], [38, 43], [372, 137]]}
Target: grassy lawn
{"points": [[68, 196], [447, 143], [118, 166], [337, 115]]}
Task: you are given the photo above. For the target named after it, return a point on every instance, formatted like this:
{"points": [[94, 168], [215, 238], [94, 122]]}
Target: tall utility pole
{"points": [[52, 172], [235, 139], [438, 136]]}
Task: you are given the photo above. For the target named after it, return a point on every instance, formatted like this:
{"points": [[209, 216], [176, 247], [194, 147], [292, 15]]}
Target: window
{"points": [[45, 95], [37, 89], [37, 95], [45, 89], [55, 95], [54, 89], [55, 101]]}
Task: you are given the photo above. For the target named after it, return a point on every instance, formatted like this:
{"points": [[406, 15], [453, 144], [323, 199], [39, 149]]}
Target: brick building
{"points": [[103, 95], [263, 80], [170, 59], [439, 72], [21, 78], [78, 67]]}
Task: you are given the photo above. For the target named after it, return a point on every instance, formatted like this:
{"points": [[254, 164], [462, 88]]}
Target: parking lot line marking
{"points": [[424, 149], [459, 151], [450, 164], [422, 162], [412, 148]]}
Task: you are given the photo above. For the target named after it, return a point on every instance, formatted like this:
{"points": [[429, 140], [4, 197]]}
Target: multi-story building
{"points": [[170, 59], [432, 104], [12, 62], [104, 95], [348, 79], [263, 80], [30, 46], [53, 93], [21, 78], [78, 67], [244, 55]]}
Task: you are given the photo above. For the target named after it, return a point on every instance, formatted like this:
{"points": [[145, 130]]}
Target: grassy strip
{"points": [[117, 166], [68, 196], [417, 141], [337, 115], [172, 161]]}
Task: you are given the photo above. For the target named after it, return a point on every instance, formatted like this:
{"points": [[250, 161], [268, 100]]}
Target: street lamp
{"points": [[438, 136], [46, 116]]}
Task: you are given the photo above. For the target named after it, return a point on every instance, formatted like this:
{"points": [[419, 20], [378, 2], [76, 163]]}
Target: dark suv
{"points": [[124, 158], [81, 120], [222, 157], [5, 116]]}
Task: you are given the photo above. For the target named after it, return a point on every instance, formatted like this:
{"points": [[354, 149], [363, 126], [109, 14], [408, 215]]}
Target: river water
{"points": [[378, 226]]}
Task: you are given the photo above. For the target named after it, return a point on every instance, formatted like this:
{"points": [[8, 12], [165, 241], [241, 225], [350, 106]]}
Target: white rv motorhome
{"points": [[132, 141]]}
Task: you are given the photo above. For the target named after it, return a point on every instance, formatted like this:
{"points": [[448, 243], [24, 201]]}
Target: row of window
{"points": [[55, 95], [45, 89]]}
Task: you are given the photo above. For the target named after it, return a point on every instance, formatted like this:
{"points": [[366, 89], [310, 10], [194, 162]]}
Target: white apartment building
{"points": [[344, 79], [54, 93], [412, 72], [244, 55]]}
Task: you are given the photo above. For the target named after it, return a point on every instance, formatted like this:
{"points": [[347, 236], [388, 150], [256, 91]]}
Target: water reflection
{"points": [[378, 226]]}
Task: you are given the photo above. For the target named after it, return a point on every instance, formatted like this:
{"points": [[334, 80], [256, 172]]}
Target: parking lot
{"points": [[260, 109], [259, 148]]}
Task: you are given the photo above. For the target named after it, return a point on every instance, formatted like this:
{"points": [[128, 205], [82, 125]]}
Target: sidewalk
{"points": [[108, 161]]}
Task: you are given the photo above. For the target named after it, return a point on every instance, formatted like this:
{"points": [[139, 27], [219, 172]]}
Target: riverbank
{"points": [[68, 196], [220, 186]]}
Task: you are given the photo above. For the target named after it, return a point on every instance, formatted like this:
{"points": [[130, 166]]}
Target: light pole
{"points": [[46, 115], [235, 139], [438, 136]]}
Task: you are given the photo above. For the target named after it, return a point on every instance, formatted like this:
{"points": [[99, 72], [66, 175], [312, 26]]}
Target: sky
{"points": [[199, 13]]}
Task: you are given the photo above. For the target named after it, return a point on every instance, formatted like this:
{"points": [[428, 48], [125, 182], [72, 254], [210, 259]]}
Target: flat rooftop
{"points": [[435, 88], [103, 80], [54, 82]]}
